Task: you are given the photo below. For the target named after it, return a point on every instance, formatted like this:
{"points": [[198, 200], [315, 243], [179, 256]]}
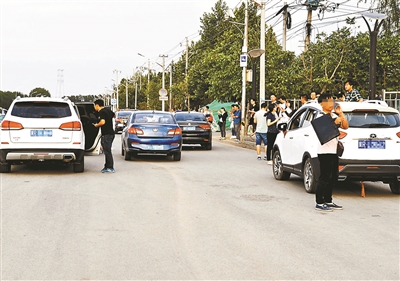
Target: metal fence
{"points": [[392, 98]]}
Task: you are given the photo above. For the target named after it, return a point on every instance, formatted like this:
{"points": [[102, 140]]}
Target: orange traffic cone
{"points": [[362, 189]]}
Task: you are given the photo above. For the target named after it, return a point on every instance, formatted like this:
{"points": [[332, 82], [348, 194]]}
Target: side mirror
{"points": [[282, 126]]}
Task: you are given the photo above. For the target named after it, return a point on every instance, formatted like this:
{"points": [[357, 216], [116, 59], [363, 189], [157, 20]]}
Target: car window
{"points": [[308, 117], [123, 114], [153, 118], [295, 121], [41, 110], [190, 117], [373, 119]]}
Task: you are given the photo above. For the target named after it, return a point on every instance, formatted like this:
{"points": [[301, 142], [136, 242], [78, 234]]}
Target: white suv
{"points": [[372, 146], [42, 129]]}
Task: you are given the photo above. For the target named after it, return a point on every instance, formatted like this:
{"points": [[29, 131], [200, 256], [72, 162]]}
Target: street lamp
{"points": [[254, 54], [373, 35]]}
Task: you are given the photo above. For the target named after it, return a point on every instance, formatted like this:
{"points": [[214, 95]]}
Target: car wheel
{"points": [[208, 146], [79, 167], [5, 168], [310, 182], [395, 187], [177, 156], [127, 156], [122, 150], [277, 167]]}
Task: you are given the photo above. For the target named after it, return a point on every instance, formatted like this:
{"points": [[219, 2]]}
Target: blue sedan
{"points": [[151, 132]]}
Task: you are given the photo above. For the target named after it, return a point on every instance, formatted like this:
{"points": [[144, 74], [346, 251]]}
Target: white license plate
{"points": [[371, 144], [41, 133], [190, 128], [156, 147]]}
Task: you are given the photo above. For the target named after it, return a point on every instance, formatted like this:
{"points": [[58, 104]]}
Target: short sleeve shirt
{"points": [[106, 114], [354, 95], [261, 121]]}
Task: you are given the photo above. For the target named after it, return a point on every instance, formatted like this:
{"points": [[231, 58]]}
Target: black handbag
{"points": [[339, 149], [325, 128]]}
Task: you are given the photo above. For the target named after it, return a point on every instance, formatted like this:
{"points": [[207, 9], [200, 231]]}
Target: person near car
{"points": [[272, 132], [261, 130], [328, 159], [313, 96], [222, 115], [237, 119], [351, 93], [253, 108], [107, 134], [207, 113], [304, 99]]}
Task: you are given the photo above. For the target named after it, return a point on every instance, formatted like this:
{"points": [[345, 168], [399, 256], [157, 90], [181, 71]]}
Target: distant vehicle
{"points": [[195, 128], [121, 118], [371, 146], [151, 132], [42, 129]]}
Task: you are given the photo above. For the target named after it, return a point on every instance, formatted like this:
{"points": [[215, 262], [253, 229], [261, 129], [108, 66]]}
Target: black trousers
{"points": [[271, 137], [328, 178], [222, 128]]}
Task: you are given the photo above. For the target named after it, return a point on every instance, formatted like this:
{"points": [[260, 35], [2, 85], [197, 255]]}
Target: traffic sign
{"points": [[113, 101], [163, 98], [243, 60], [163, 93]]}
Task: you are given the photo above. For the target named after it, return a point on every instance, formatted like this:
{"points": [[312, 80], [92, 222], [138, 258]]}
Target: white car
{"points": [[372, 146], [42, 129]]}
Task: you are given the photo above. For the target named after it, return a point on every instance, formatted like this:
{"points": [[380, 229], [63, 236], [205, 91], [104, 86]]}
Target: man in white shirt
{"points": [[261, 130], [328, 159]]}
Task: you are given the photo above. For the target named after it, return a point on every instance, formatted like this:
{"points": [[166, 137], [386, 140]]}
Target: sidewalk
{"points": [[248, 141]]}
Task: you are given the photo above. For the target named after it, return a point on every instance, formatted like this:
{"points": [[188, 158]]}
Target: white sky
{"points": [[89, 39]]}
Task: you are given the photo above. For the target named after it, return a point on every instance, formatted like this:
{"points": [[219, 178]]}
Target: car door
{"points": [[89, 116]]}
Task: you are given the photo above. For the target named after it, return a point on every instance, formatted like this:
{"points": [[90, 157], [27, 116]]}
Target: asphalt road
{"points": [[216, 214]]}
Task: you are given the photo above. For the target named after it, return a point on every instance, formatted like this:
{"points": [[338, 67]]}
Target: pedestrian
{"points": [[328, 159], [351, 93], [313, 96], [222, 115], [237, 119], [107, 134], [261, 130], [340, 97], [272, 120], [253, 108], [207, 113], [304, 99]]}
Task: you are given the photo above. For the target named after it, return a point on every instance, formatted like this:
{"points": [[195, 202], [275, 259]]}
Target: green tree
{"points": [[39, 92]]}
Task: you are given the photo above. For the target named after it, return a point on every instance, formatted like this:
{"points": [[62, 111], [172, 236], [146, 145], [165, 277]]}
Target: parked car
{"points": [[121, 118], [195, 128], [151, 132], [371, 146], [42, 129]]}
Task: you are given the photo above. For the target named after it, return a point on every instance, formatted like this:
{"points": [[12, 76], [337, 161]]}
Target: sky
{"points": [[78, 47]]}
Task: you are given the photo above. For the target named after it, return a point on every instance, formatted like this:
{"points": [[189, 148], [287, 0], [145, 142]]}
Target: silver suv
{"points": [[42, 129]]}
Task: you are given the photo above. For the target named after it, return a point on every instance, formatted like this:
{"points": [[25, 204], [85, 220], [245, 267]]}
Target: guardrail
{"points": [[392, 98]]}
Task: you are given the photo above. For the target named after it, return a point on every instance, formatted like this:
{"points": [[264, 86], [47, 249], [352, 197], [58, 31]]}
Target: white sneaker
{"points": [[269, 162]]}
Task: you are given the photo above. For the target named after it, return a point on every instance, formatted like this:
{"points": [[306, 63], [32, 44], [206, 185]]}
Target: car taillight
{"points": [[176, 131], [342, 134], [398, 134], [205, 127], [135, 131], [71, 126], [10, 125]]}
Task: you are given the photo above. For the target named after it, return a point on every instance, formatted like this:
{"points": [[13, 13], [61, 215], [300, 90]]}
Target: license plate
{"points": [[156, 147], [371, 144], [41, 133], [190, 128]]}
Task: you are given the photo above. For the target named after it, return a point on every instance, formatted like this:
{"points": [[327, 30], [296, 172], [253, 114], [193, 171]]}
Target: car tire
{"points": [[5, 168], [127, 156], [208, 146], [177, 156], [79, 167], [277, 167], [122, 150], [309, 180], [395, 187]]}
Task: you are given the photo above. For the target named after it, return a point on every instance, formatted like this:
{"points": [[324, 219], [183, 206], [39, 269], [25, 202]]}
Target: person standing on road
{"points": [[253, 108], [222, 115], [107, 134], [272, 120], [261, 130], [351, 93], [328, 159], [237, 119]]}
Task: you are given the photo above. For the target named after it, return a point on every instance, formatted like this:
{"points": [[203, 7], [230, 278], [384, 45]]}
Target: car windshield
{"points": [[123, 114], [153, 118], [41, 110], [372, 119], [190, 117]]}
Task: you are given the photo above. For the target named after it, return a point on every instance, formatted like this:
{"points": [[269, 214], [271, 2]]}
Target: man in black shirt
{"points": [[107, 134]]}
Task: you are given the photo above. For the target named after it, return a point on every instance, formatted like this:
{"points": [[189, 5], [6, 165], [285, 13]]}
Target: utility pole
{"points": [[262, 57], [163, 79], [244, 71], [284, 26], [312, 5], [186, 74], [170, 85], [126, 93], [116, 82]]}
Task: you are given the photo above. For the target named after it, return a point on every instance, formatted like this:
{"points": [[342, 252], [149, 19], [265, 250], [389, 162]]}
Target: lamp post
{"points": [[373, 35], [244, 71], [255, 54]]}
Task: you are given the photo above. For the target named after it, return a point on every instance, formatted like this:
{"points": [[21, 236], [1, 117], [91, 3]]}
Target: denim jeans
{"points": [[106, 143]]}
